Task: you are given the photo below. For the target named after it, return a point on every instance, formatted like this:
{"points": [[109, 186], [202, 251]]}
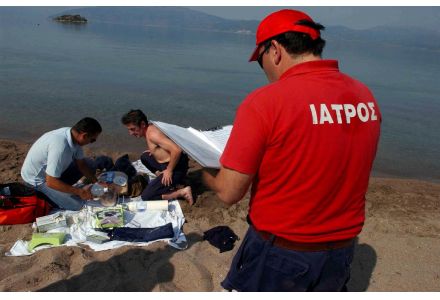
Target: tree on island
{"points": [[71, 19]]}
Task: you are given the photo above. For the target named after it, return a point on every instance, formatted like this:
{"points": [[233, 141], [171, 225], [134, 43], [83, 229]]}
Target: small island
{"points": [[70, 19]]}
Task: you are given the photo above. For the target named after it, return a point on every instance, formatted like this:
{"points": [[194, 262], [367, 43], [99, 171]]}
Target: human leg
{"points": [[179, 175], [62, 200], [72, 174], [185, 193], [151, 164], [335, 272], [155, 189], [181, 169]]}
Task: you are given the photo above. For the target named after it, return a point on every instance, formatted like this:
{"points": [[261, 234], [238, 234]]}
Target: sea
{"points": [[53, 74]]}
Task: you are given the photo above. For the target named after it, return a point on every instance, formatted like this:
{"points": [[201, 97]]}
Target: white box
{"points": [[49, 222]]}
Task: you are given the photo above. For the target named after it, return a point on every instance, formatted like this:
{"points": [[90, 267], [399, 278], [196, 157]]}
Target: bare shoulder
{"points": [[155, 134]]}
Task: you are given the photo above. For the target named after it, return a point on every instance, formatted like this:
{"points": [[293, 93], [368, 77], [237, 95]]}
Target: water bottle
{"points": [[98, 190], [120, 180], [107, 177], [5, 191]]}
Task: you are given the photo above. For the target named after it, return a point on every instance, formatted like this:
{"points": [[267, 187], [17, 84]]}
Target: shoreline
{"points": [[135, 149]]}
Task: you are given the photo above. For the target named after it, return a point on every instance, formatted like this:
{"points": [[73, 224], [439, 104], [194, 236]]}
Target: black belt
{"points": [[306, 247], [297, 246]]}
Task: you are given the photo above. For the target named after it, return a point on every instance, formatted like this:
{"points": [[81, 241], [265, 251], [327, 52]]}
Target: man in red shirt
{"points": [[306, 143]]}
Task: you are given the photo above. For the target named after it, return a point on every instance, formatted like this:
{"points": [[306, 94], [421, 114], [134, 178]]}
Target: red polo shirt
{"points": [[310, 138]]}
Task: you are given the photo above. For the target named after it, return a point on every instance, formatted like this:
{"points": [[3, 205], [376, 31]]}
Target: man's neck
{"points": [[288, 62], [74, 135], [305, 58], [146, 130], [299, 59]]}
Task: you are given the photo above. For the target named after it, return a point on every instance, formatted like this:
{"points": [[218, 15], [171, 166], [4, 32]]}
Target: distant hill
{"points": [[181, 17], [402, 36], [178, 17]]}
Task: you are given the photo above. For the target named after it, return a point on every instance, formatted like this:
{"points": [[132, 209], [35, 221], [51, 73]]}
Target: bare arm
{"points": [[57, 184], [230, 185], [168, 145]]}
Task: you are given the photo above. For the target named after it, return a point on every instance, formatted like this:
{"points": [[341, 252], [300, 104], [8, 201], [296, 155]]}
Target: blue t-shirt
{"points": [[51, 154]]}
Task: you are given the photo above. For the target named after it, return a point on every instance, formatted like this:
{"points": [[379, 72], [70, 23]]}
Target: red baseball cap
{"points": [[279, 22]]}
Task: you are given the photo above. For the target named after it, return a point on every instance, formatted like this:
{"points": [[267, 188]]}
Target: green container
{"points": [[54, 239]]}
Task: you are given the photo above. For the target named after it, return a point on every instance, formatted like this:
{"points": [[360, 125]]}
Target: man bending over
{"points": [[163, 157], [53, 154]]}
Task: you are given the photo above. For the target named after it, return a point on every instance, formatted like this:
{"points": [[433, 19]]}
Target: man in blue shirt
{"points": [[52, 154]]}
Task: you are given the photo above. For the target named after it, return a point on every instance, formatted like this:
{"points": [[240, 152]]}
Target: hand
{"points": [[167, 177], [85, 193]]}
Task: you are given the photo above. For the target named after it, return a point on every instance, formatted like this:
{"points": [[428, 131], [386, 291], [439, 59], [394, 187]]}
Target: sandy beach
{"points": [[398, 249]]}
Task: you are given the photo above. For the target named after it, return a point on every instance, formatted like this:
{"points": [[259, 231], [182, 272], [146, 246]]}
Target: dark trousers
{"points": [[155, 188], [260, 266], [72, 174]]}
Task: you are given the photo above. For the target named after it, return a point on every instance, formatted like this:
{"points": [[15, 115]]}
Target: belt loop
{"points": [[248, 220], [272, 239], [330, 246]]}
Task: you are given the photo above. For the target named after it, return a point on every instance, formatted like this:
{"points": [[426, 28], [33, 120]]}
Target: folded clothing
{"points": [[221, 237], [142, 234]]}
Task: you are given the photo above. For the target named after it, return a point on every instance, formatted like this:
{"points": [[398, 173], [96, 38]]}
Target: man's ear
{"points": [[83, 136], [277, 54]]}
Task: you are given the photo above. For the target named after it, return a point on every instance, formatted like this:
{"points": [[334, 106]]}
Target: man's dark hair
{"points": [[297, 43], [134, 116], [88, 125]]}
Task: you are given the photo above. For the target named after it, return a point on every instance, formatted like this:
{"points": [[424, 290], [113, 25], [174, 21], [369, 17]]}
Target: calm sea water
{"points": [[52, 74]]}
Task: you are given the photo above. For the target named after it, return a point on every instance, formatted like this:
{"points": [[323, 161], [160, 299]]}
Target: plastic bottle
{"points": [[5, 191], [98, 190]]}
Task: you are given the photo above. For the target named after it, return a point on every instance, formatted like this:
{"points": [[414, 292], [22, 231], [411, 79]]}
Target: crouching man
{"points": [[53, 154], [163, 157]]}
